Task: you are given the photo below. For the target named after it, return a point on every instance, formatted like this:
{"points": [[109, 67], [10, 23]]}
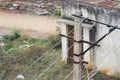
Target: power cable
{"points": [[95, 70], [5, 51], [66, 77], [48, 68], [41, 74], [39, 58]]}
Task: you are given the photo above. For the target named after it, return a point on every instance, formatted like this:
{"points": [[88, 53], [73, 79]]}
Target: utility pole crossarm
{"points": [[108, 25]]}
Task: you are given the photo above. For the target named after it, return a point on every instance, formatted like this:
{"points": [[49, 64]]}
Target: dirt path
{"points": [[29, 24]]}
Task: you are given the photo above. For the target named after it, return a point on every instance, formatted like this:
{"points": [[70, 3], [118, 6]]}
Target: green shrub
{"points": [[14, 35], [22, 57], [57, 12], [8, 46], [54, 39]]}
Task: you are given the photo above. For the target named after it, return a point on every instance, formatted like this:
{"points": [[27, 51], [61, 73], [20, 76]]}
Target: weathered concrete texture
{"points": [[105, 58], [64, 31], [105, 3], [69, 7]]}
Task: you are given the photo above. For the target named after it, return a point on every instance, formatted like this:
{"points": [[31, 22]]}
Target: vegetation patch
{"points": [[19, 52], [57, 12]]}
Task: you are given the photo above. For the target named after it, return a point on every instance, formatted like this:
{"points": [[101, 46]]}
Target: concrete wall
{"points": [[106, 57], [64, 31]]}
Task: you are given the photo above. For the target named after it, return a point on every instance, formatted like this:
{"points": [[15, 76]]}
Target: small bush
{"points": [[13, 36], [55, 39], [57, 12], [8, 46]]}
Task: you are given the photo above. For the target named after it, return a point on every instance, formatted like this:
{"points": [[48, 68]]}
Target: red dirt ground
{"points": [[34, 25]]}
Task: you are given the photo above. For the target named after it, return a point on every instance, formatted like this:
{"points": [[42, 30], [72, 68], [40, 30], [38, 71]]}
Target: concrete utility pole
{"points": [[77, 50]]}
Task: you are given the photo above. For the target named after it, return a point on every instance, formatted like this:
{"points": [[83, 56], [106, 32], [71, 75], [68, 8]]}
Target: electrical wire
{"points": [[41, 74], [68, 75], [79, 71], [57, 59], [72, 72], [48, 68], [86, 74], [95, 70], [5, 51], [92, 73], [27, 68], [86, 71], [81, 61], [39, 58]]}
